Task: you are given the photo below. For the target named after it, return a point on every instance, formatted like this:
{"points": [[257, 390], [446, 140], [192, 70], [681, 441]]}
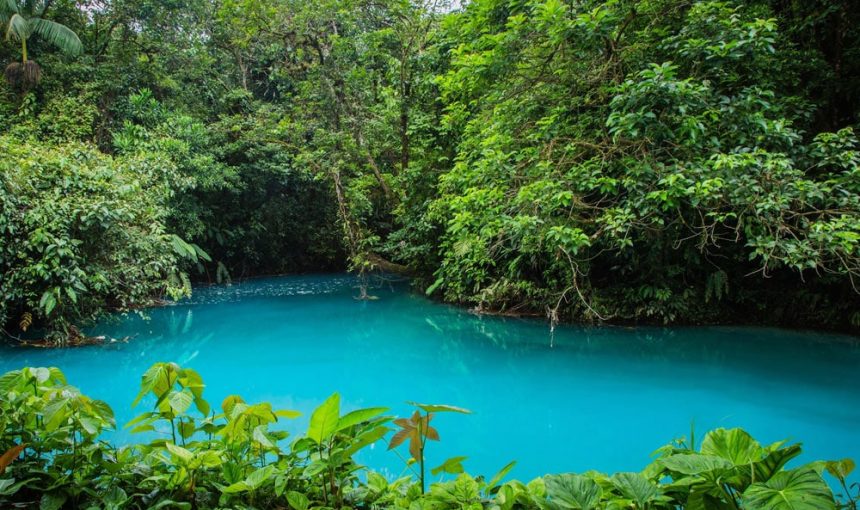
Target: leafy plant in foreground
{"points": [[418, 431], [51, 457]]}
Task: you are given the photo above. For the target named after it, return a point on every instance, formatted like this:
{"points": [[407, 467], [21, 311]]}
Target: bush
{"points": [[83, 232]]}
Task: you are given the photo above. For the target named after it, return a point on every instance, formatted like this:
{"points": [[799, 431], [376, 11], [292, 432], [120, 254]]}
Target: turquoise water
{"points": [[581, 398]]}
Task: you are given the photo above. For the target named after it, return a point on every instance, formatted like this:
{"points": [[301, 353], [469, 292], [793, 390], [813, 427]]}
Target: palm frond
{"points": [[18, 28], [59, 35], [8, 7]]}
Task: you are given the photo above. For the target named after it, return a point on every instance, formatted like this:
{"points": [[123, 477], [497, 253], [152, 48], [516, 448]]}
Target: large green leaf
{"points": [[695, 464], [573, 492], [734, 445], [452, 466], [19, 29], [8, 7], [298, 501], [180, 401], [440, 408], [324, 419], [256, 479], [59, 35], [636, 487], [366, 438], [9, 486], [155, 379], [797, 489], [52, 500], [774, 461], [707, 497], [358, 416], [184, 455]]}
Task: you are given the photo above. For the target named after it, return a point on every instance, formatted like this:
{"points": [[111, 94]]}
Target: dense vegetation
{"points": [[586, 160], [51, 457]]}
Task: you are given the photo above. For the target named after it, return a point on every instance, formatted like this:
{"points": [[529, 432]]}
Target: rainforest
{"points": [[663, 167]]}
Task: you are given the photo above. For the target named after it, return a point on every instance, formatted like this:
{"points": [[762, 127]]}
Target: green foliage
{"points": [[626, 161], [234, 459], [81, 231], [651, 166]]}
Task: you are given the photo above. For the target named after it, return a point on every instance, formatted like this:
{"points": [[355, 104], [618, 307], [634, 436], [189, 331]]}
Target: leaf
{"points": [[26, 321], [287, 413], [10, 455], [256, 479], [431, 289], [298, 500], [154, 380], [359, 416], [187, 429], [440, 408], [48, 302], [180, 401], [210, 458], [59, 35], [695, 464], [148, 417], [90, 425], [18, 28], [573, 491], [201, 253], [774, 462], [174, 505], [324, 419], [52, 501], [636, 487], [412, 428], [9, 486], [114, 498], [230, 402], [236, 488], [839, 469], [797, 489], [183, 454], [41, 374], [452, 466], [500, 475], [734, 445], [366, 439], [259, 436]]}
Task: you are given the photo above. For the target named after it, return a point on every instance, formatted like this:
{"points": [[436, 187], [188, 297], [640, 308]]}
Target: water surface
{"points": [[576, 399]]}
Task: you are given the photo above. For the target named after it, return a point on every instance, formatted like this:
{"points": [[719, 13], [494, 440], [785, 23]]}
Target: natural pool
{"points": [[581, 398]]}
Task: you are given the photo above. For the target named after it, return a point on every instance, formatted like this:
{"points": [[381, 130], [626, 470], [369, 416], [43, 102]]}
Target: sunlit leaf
{"points": [[324, 419]]}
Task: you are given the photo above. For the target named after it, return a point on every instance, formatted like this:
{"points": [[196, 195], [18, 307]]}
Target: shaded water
{"points": [[583, 398]]}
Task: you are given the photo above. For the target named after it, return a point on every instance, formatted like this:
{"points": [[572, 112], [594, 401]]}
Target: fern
{"points": [[26, 321], [222, 275], [716, 286]]}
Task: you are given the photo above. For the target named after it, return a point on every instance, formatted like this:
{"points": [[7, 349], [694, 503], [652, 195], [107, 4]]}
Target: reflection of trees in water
{"points": [[770, 354], [404, 331], [170, 330]]}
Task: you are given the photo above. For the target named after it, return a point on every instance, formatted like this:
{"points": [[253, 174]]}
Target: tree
{"points": [[20, 21]]}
